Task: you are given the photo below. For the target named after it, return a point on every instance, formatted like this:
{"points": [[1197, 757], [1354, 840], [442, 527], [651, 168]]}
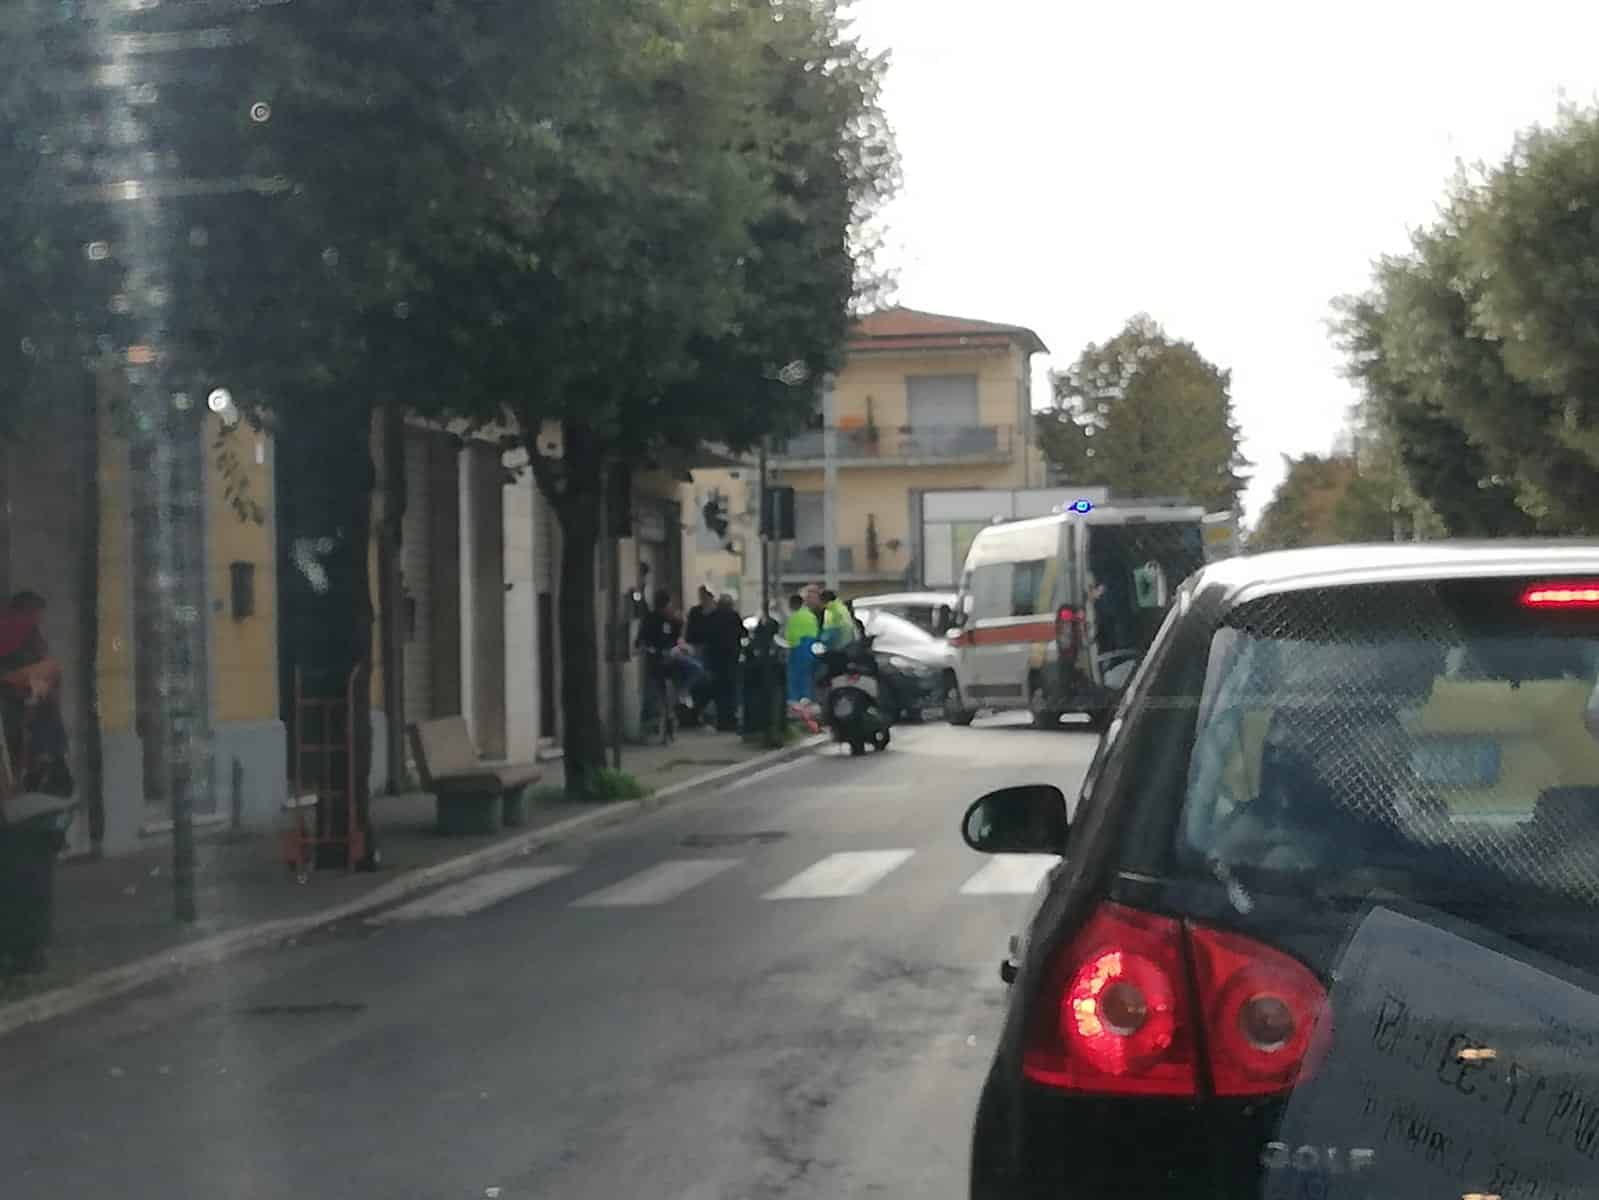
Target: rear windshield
{"points": [[1427, 737]]}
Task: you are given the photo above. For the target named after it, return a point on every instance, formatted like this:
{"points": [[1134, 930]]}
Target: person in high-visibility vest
{"points": [[838, 626], [803, 629]]}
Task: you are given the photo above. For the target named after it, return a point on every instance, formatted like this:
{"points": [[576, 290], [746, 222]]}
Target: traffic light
{"points": [[777, 514]]}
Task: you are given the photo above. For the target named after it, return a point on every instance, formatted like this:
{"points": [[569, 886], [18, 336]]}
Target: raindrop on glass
{"points": [[220, 400], [29, 348], [120, 304], [98, 251], [402, 310], [330, 257], [182, 401], [260, 112]]}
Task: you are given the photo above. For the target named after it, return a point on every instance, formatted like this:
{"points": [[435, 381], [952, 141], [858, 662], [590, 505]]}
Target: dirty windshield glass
{"points": [[444, 447], [1435, 737]]}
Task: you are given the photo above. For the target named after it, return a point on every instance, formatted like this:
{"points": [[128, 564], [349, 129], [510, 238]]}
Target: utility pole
{"points": [[829, 487], [763, 527], [145, 215]]}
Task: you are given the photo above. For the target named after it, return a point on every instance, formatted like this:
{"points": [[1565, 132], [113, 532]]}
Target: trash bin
{"points": [[32, 833]]}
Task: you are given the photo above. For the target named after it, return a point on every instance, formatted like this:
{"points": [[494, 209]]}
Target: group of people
{"points": [[816, 614], [699, 652]]}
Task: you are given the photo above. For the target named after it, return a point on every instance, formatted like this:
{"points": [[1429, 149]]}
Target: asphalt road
{"points": [[787, 988]]}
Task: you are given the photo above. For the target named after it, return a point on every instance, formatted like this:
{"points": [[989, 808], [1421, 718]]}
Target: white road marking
{"points": [[658, 884], [848, 873], [472, 896], [762, 776], [1010, 875]]}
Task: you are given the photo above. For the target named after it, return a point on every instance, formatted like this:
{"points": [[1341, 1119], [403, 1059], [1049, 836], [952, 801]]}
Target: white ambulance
{"points": [[1054, 613]]}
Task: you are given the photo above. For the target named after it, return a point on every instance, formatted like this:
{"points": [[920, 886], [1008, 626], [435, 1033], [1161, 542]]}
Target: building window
{"points": [[942, 414], [1032, 587], [991, 585]]}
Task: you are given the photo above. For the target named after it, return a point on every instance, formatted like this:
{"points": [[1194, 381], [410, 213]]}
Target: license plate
{"points": [[934, 712]]}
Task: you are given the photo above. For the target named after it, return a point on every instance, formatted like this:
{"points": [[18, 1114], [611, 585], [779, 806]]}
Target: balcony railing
{"points": [[905, 443], [805, 564]]}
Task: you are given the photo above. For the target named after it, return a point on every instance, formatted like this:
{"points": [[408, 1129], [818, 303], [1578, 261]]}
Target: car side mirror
{"points": [[1030, 819]]}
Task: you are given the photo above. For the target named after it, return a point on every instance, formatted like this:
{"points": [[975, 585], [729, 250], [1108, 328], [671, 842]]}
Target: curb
{"points": [[209, 951]]}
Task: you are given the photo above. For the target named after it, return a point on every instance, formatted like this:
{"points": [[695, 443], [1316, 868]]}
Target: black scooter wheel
{"points": [[880, 739]]}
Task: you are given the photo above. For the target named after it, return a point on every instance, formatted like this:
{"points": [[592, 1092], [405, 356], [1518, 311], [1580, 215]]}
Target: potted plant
{"points": [[869, 434]]}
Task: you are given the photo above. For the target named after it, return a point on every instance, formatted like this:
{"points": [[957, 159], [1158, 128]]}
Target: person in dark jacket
{"points": [[724, 632], [694, 626]]}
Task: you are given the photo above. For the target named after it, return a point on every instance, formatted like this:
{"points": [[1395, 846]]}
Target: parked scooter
{"points": [[851, 695]]}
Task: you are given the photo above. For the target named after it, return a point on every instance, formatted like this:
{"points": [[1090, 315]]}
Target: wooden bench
{"points": [[473, 796]]}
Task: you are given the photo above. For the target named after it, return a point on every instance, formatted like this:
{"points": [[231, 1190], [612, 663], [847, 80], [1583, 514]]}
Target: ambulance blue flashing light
{"points": [[1082, 506]]}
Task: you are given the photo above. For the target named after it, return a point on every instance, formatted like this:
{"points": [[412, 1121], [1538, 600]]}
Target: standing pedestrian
{"points": [[838, 626], [724, 631], [803, 629]]}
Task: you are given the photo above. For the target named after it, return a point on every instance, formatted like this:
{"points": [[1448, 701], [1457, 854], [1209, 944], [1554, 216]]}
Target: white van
{"points": [[1054, 613]]}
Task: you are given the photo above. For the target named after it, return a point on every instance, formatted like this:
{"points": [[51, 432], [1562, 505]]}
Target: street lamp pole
{"points": [[829, 486]]}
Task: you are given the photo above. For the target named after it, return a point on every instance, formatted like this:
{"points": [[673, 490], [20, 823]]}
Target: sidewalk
{"points": [[113, 917]]}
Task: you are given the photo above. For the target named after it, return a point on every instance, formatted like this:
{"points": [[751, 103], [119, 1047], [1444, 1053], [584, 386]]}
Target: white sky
{"points": [[1228, 167]]}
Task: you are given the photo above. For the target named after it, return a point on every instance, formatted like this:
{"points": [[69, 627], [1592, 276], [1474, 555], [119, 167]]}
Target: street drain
{"points": [[330, 1008], [706, 840]]}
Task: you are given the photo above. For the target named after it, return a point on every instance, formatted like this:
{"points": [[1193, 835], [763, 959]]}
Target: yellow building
{"points": [[66, 532], [925, 403]]}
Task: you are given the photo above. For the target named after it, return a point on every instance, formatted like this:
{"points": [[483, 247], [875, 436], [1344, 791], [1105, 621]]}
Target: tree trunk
{"points": [[583, 736], [574, 487], [325, 484]]}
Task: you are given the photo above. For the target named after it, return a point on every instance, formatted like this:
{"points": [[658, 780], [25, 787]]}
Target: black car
{"points": [[1326, 920], [916, 669]]}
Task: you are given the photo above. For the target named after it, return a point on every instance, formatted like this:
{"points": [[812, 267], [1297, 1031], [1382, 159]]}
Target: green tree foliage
{"points": [[618, 228], [1324, 500], [1146, 414], [1477, 350]]}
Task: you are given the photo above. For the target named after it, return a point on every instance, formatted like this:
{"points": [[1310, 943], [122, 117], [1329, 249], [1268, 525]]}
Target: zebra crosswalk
{"points": [[837, 876], [658, 884], [849, 873]]}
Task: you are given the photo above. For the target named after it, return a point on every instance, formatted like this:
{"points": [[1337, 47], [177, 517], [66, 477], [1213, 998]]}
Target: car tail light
{"points": [[1562, 594], [1262, 1009], [1115, 1017], [1121, 1014]]}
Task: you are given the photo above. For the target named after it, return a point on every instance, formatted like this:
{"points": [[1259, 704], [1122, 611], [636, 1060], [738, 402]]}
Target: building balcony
{"points": [[901, 446], [808, 564]]}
